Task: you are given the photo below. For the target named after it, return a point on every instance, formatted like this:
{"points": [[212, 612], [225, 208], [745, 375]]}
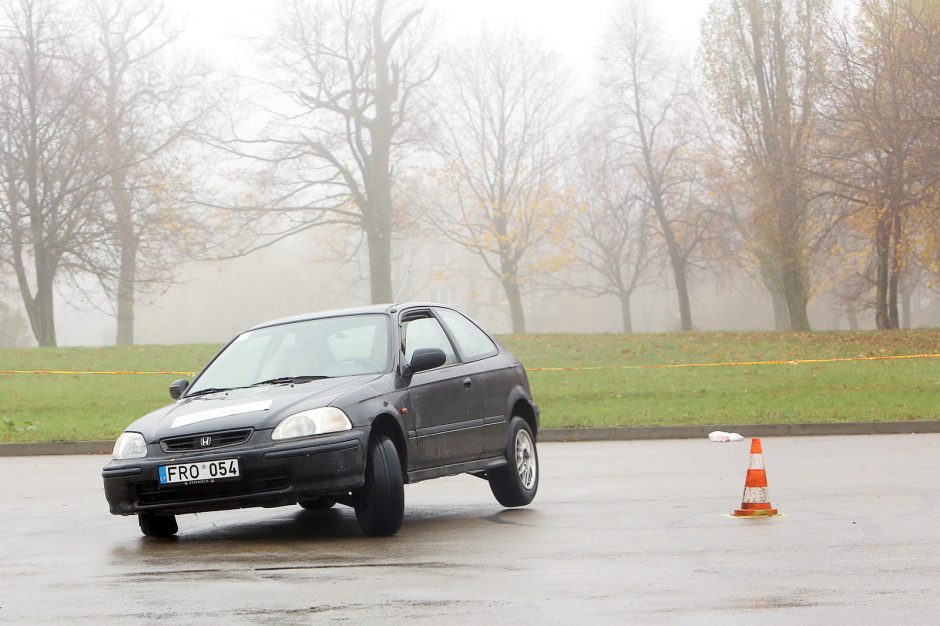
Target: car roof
{"points": [[384, 309]]}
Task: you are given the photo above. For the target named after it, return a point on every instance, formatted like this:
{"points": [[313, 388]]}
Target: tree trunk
{"points": [[682, 294], [676, 260], [770, 276], [794, 288], [892, 304], [793, 275], [781, 313], [125, 295], [379, 177], [895, 272], [514, 295], [882, 236], [128, 241], [380, 265], [378, 226], [625, 315], [40, 308], [906, 308], [41, 312]]}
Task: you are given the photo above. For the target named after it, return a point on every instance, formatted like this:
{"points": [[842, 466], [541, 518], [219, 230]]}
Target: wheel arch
{"points": [[386, 424], [522, 407]]}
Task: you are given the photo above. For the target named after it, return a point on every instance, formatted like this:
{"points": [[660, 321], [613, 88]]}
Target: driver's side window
{"points": [[425, 332]]}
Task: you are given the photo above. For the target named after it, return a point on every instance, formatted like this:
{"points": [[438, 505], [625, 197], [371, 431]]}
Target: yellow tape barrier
{"points": [[92, 373], [736, 363], [549, 369]]}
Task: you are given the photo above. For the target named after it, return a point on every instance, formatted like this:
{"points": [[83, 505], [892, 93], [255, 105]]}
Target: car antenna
{"points": [[402, 286]]}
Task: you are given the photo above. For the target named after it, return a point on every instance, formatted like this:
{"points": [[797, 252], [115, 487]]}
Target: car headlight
{"points": [[315, 422], [129, 446]]}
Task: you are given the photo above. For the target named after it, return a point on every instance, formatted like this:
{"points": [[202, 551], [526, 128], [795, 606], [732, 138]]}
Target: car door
{"points": [[493, 377], [446, 411]]}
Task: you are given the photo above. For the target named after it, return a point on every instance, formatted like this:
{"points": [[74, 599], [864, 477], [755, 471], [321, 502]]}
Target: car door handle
{"points": [[467, 383]]}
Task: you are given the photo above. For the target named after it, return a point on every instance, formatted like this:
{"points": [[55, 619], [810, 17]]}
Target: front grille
{"points": [[261, 481], [216, 440]]}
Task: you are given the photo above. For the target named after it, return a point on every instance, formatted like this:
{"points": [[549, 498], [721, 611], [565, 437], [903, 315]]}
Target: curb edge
{"points": [[613, 433]]}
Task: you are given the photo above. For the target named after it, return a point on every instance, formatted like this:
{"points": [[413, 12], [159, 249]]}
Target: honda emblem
{"points": [[205, 441]]}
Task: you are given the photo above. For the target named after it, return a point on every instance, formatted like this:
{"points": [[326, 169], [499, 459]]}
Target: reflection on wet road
{"points": [[620, 532]]}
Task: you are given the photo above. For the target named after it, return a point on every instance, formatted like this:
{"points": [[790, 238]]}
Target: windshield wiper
{"points": [[296, 380], [208, 390]]}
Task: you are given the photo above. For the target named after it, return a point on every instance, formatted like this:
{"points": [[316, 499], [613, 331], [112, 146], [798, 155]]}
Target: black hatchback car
{"points": [[335, 407]]}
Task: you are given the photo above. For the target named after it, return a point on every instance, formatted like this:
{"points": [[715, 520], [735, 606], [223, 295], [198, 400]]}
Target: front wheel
{"points": [[155, 525], [380, 503], [516, 483]]}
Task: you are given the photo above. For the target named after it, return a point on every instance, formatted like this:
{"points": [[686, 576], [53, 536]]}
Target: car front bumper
{"points": [[270, 474]]}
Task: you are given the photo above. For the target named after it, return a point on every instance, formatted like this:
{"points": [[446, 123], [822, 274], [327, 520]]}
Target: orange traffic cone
{"points": [[756, 501]]}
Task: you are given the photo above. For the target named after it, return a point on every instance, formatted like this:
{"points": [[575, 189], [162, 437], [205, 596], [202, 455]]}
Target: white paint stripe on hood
{"points": [[225, 411]]}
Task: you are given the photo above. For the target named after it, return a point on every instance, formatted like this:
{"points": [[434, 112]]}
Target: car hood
{"points": [[254, 407]]}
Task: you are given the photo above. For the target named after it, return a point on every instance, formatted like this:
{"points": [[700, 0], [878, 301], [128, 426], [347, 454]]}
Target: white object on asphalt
{"points": [[720, 435]]}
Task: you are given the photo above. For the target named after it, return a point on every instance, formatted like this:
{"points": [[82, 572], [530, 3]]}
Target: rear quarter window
{"points": [[472, 342]]}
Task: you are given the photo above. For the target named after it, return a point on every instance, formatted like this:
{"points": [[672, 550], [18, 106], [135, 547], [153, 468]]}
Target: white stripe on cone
{"points": [[757, 461], [755, 495]]}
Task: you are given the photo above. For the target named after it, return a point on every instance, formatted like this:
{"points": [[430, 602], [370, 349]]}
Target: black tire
{"points": [[380, 503], [156, 525], [317, 504], [516, 483]]}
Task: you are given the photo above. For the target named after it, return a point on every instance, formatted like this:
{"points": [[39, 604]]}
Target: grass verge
{"points": [[46, 407]]}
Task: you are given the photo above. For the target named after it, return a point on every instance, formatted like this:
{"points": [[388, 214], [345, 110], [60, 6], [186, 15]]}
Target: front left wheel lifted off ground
{"points": [[380, 503], [154, 525], [515, 484]]}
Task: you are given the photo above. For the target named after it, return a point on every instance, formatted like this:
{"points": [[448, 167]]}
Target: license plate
{"points": [[201, 472]]}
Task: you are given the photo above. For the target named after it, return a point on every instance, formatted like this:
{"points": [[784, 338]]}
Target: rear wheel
{"points": [[156, 525], [380, 503], [317, 504], [516, 483]]}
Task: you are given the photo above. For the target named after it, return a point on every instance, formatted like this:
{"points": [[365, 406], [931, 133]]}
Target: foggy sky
{"points": [[213, 301]]}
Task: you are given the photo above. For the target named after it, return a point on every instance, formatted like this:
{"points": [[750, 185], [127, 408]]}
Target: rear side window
{"points": [[472, 342]]}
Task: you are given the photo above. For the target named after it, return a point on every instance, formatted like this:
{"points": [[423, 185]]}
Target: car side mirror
{"points": [[424, 359], [178, 388]]}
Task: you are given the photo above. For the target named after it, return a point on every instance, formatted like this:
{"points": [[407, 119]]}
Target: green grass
{"points": [[66, 407], [759, 394], [53, 407]]}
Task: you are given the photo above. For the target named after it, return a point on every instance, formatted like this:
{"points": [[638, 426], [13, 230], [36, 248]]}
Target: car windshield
{"points": [[300, 352]]}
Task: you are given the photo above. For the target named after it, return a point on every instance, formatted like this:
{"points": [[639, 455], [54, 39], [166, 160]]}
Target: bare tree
{"points": [[764, 61], [148, 114], [500, 144], [50, 172], [884, 131], [655, 107], [612, 231], [738, 246], [344, 79]]}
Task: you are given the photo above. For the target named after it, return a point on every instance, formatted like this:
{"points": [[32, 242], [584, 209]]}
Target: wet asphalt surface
{"points": [[620, 532]]}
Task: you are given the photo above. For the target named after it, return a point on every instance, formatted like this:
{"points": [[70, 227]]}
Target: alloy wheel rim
{"points": [[525, 459]]}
